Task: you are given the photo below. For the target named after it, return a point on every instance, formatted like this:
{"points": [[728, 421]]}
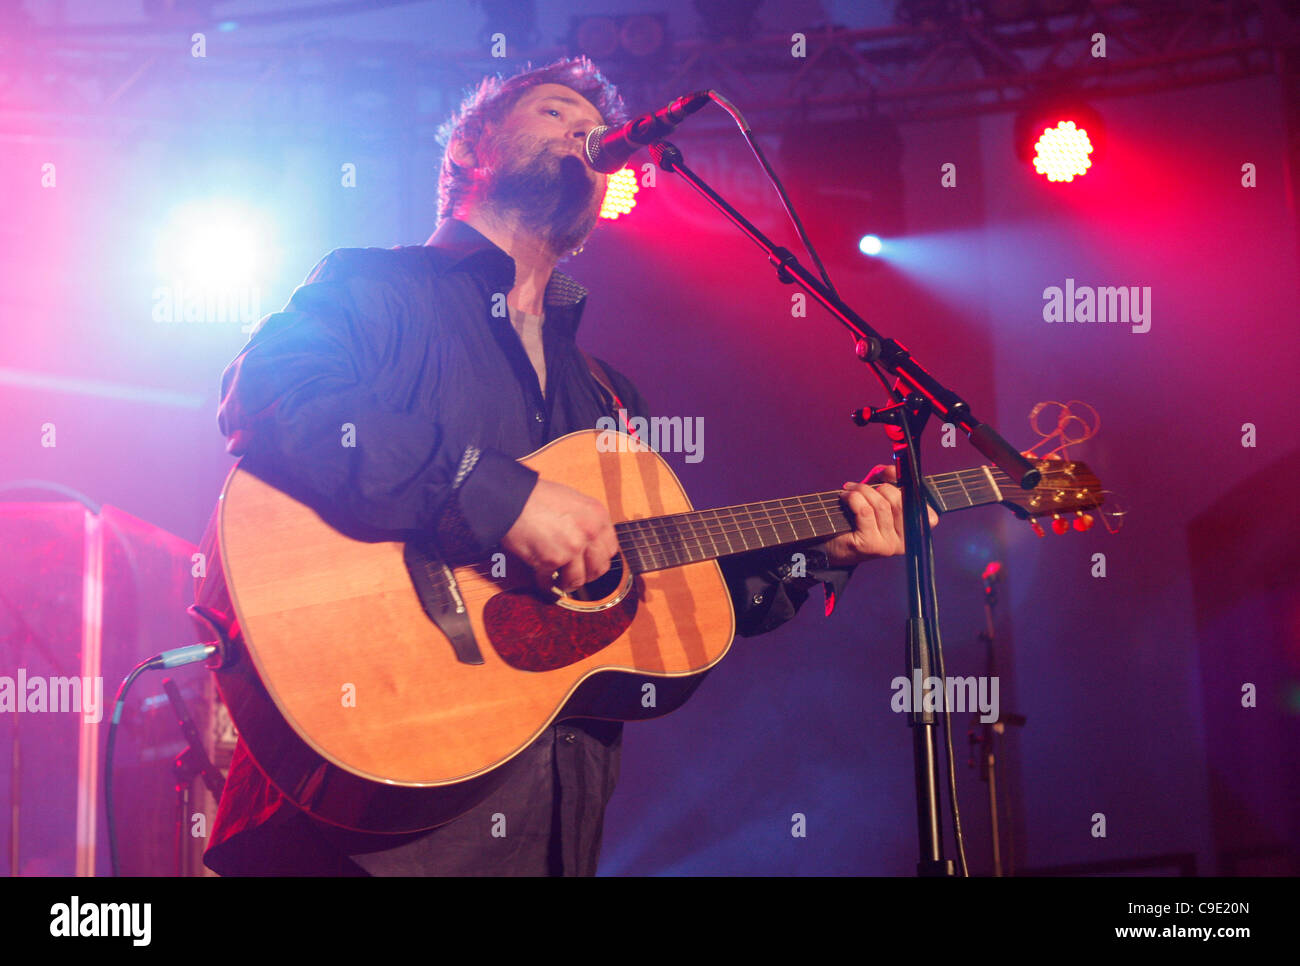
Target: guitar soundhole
{"points": [[603, 586]]}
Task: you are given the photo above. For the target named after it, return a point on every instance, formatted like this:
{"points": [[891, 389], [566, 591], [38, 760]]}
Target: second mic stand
{"points": [[188, 765], [986, 734]]}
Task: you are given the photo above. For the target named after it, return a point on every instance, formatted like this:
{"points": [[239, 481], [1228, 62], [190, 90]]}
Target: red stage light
{"points": [[1063, 151], [620, 194], [1061, 136]]}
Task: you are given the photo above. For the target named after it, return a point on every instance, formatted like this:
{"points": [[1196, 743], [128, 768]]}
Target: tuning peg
{"points": [[1083, 521], [1060, 525], [1037, 527]]}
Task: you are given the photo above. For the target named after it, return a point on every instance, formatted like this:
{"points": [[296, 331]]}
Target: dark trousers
{"points": [[545, 820]]}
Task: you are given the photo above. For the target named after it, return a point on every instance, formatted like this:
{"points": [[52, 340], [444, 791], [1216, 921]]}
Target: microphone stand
{"points": [[989, 732], [990, 756], [918, 395]]}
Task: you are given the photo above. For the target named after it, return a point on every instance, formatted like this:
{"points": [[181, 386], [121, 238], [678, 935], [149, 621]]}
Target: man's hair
{"points": [[494, 98]]}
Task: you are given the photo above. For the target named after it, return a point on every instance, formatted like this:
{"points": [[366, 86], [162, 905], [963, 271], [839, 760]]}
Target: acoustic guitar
{"points": [[384, 690]]}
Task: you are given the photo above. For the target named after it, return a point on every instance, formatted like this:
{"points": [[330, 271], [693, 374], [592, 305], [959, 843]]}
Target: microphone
{"points": [[607, 149]]}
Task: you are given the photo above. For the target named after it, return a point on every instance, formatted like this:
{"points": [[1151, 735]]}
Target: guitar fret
{"points": [[997, 492], [699, 536], [830, 521], [965, 492], [775, 538], [935, 489], [697, 552], [715, 534], [728, 535]]}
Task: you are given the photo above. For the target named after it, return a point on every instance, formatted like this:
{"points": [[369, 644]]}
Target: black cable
{"points": [[216, 653], [748, 133], [118, 703]]}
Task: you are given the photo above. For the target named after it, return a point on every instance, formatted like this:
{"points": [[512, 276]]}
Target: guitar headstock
{"points": [[1067, 486]]}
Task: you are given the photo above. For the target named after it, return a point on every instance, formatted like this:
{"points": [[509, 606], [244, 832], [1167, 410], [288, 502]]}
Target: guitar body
{"points": [[356, 705], [382, 692]]}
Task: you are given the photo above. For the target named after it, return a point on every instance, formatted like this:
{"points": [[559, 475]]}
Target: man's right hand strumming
{"points": [[563, 530]]}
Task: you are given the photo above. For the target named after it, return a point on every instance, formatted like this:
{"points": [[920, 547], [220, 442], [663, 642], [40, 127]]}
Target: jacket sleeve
{"points": [[767, 586], [307, 396]]}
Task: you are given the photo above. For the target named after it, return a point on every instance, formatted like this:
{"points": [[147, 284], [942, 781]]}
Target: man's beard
{"points": [[551, 193]]}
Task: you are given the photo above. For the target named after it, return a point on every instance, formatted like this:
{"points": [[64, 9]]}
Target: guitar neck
{"points": [[658, 543]]}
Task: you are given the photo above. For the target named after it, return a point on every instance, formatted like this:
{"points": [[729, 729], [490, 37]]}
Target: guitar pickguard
{"points": [[534, 634]]}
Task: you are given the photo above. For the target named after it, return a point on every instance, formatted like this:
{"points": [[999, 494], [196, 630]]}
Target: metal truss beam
{"points": [[75, 84]]}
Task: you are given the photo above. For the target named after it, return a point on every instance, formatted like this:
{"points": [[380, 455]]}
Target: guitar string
{"points": [[949, 486], [677, 526], [739, 522], [649, 534], [697, 526], [669, 536], [819, 502], [665, 540]]}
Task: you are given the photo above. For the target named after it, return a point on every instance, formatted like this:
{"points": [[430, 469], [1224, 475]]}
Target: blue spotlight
{"points": [[870, 245]]}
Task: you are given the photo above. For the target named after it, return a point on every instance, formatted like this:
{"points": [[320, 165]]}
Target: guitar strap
{"points": [[612, 402]]}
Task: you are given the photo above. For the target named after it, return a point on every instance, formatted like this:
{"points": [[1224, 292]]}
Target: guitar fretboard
{"points": [[657, 543]]}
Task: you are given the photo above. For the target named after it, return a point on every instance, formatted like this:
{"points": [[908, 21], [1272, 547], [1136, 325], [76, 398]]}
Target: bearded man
{"points": [[446, 392]]}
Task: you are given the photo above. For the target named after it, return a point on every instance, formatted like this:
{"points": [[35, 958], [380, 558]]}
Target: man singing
{"points": [[445, 395]]}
